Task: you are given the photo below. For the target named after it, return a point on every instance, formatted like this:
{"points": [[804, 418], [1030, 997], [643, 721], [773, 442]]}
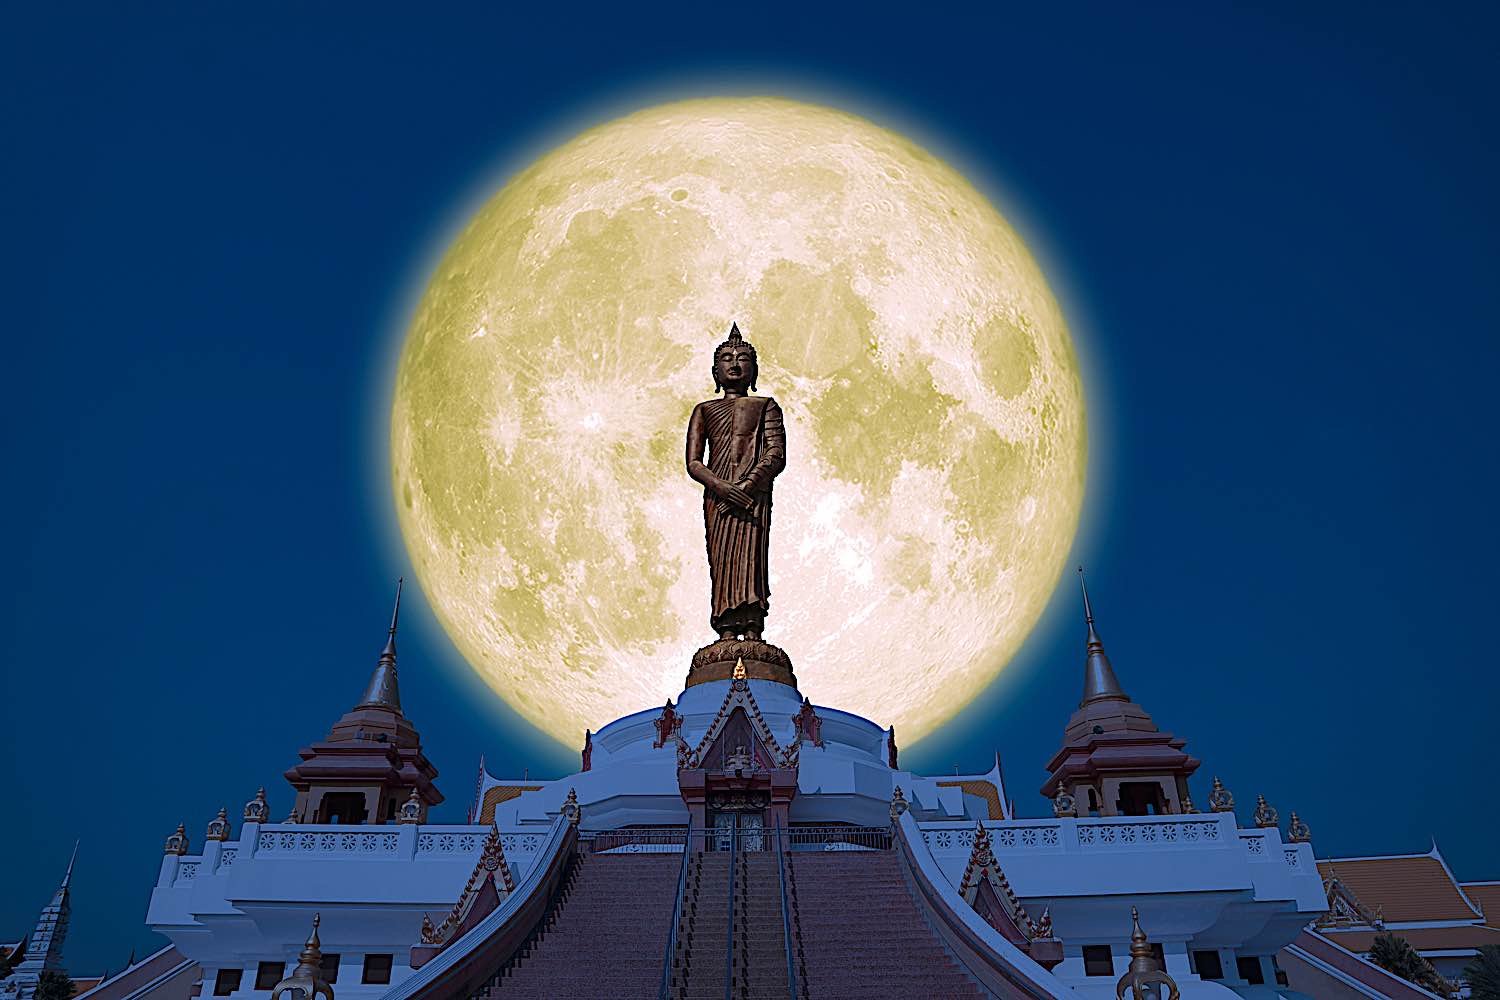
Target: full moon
{"points": [[934, 415]]}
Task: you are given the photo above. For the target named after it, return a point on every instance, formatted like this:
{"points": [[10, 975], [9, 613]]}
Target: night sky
{"points": [[1274, 240]]}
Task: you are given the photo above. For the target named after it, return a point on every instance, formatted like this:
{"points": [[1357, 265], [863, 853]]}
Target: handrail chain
{"points": [[734, 843], [786, 917], [666, 964]]}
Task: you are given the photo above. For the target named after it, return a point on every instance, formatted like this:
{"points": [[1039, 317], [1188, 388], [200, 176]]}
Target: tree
{"points": [[1483, 974], [1396, 956], [54, 985]]}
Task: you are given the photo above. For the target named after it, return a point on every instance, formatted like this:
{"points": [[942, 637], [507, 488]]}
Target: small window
{"points": [[268, 974], [377, 970], [226, 981], [1097, 960], [1208, 964], [1159, 955], [1249, 969], [329, 968]]}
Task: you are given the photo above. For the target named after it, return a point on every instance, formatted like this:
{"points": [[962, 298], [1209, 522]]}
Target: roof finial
{"points": [[383, 691], [390, 642], [68, 875], [1099, 680]]}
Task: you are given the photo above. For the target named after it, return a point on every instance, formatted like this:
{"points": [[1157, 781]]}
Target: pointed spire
{"points": [[383, 691], [1099, 681], [68, 875]]}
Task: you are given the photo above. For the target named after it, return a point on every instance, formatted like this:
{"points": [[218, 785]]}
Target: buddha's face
{"points": [[734, 367]]}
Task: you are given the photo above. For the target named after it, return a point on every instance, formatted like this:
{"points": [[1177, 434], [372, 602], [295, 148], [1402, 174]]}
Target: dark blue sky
{"points": [[1274, 237]]}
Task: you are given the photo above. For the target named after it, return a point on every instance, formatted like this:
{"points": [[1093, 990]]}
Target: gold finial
{"points": [[178, 843], [899, 804], [258, 810], [218, 827], [739, 668], [1220, 800], [570, 807], [1265, 814], [411, 809], [306, 981], [1145, 978]]}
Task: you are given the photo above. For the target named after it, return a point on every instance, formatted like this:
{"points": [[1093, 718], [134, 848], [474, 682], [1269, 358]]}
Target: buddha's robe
{"points": [[747, 447]]}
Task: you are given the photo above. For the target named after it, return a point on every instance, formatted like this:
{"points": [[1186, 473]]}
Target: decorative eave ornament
{"points": [[668, 725], [899, 804], [1265, 814], [809, 727], [177, 843], [983, 867], [492, 868], [1144, 979], [258, 810], [306, 981], [218, 827], [1064, 806], [1220, 800], [291, 817], [1344, 909], [411, 810], [1297, 831], [739, 696], [570, 807], [1188, 808]]}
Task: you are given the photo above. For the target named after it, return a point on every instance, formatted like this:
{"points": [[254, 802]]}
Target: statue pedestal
{"points": [[763, 662]]}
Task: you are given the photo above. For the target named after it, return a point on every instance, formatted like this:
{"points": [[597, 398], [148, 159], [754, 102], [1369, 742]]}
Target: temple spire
{"points": [[1099, 680], [68, 875], [383, 691]]}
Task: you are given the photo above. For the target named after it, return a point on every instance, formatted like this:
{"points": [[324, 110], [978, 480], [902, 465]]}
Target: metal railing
{"points": [[635, 840], [666, 964], [837, 838], [734, 843], [786, 918]]}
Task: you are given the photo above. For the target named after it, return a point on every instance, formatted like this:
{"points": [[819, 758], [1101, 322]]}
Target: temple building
{"points": [[730, 836], [742, 841], [741, 837]]}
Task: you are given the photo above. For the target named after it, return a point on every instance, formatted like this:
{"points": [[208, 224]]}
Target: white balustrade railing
{"points": [[395, 842], [1086, 834]]}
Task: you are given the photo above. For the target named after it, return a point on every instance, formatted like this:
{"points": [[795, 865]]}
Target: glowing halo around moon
{"points": [[935, 417]]}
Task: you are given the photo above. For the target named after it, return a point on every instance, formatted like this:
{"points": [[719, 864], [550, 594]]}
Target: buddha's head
{"points": [[735, 366]]}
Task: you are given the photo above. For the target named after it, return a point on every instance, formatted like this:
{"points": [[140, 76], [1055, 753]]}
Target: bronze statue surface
{"points": [[745, 441], [746, 444]]}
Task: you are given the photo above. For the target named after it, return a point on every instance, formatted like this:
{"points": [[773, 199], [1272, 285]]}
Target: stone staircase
{"points": [[603, 936], [759, 970], [857, 933], [862, 935]]}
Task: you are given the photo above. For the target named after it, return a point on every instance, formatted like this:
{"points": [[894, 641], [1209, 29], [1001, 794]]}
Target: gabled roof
{"points": [[488, 885], [985, 888], [739, 696], [1404, 888]]}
